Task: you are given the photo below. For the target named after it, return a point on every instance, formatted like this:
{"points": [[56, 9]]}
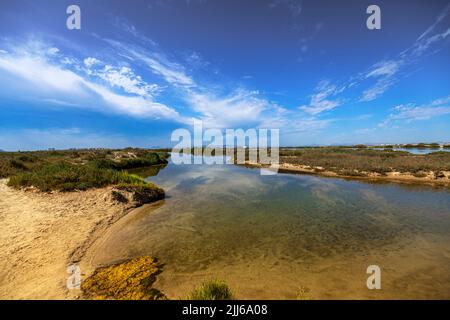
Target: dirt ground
{"points": [[42, 234]]}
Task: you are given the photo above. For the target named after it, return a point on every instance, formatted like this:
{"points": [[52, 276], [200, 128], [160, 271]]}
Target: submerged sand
{"points": [[41, 234]]}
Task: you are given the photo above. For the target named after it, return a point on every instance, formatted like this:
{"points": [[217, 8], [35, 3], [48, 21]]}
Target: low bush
{"points": [[64, 176], [211, 290], [367, 160], [149, 159], [68, 170]]}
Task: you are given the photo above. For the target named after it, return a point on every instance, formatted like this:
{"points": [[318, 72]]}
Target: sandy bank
{"points": [[42, 233], [428, 178]]}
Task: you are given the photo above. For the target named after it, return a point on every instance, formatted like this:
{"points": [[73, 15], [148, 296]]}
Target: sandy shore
{"points": [[41, 234]]}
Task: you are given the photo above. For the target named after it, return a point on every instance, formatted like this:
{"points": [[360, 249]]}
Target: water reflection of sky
{"points": [[228, 215]]}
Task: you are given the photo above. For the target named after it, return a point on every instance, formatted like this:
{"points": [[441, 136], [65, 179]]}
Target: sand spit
{"points": [[426, 178]]}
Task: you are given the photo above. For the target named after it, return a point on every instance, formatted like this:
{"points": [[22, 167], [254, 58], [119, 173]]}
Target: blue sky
{"points": [[137, 70]]}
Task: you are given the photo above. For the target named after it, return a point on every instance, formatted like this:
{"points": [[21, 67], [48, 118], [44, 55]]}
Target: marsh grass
{"points": [[354, 161], [65, 176], [78, 170], [211, 290]]}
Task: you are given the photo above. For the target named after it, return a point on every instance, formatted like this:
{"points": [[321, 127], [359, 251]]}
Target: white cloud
{"points": [[53, 51], [411, 112], [36, 70], [385, 73], [422, 45], [61, 84], [242, 107], [237, 108], [173, 73], [320, 101], [378, 89], [384, 68], [123, 78], [89, 61], [441, 17]]}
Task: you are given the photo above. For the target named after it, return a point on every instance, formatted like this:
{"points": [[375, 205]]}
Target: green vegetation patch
{"points": [[79, 169], [349, 161], [65, 176], [130, 163], [131, 280], [211, 290]]}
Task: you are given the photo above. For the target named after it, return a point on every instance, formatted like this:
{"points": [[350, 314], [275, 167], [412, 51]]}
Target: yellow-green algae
{"points": [[131, 280]]}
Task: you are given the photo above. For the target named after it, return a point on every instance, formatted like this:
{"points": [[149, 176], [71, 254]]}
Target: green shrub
{"points": [[17, 164], [64, 176], [148, 159], [368, 160], [211, 290]]}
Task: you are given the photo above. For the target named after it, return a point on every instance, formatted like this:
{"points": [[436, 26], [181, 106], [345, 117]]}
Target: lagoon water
{"points": [[421, 150], [288, 236]]}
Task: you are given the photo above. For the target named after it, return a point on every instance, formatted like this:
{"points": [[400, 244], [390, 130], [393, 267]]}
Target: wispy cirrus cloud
{"points": [[322, 100], [239, 107], [122, 77], [385, 73], [411, 112], [57, 78], [172, 72], [427, 38], [295, 7]]}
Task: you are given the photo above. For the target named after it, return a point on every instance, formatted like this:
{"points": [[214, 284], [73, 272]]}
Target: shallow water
{"points": [[289, 236], [421, 150]]}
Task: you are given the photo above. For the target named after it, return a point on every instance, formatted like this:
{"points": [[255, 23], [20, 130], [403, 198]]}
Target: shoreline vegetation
{"points": [[360, 162], [54, 205], [368, 164], [78, 170]]}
